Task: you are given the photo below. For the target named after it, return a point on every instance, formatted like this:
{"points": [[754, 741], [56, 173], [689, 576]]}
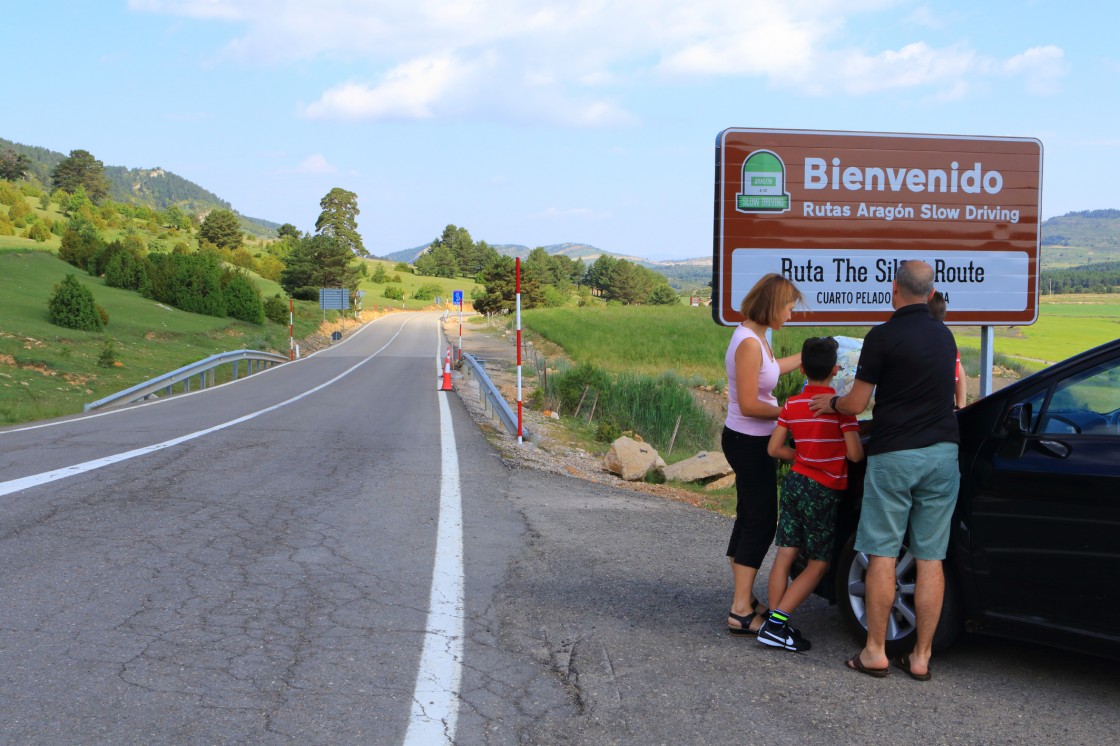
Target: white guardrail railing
{"points": [[203, 370]]}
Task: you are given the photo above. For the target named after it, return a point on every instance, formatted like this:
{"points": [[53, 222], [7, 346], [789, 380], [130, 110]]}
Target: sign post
{"points": [[457, 299], [836, 212]]}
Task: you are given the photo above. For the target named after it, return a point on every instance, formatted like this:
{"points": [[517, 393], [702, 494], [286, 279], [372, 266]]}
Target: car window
{"points": [[1085, 404]]}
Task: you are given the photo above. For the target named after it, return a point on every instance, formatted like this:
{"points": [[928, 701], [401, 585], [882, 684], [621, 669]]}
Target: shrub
{"points": [[306, 293], [197, 284], [402, 267], [427, 291], [243, 299], [277, 309], [125, 271], [393, 293], [80, 244], [72, 306], [39, 232], [108, 356]]}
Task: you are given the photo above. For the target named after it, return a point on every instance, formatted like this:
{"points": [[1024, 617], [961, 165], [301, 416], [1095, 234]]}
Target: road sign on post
{"points": [[334, 299], [836, 212], [457, 297]]}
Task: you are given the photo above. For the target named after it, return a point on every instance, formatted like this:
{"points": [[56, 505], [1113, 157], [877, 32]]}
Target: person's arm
{"points": [[748, 362], [777, 447], [962, 386], [854, 402], [787, 364], [854, 445]]}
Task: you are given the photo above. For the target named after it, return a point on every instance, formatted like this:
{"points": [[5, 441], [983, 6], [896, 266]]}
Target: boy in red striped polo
{"points": [[811, 491]]}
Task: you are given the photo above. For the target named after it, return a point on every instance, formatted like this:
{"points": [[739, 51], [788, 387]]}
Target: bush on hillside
{"points": [[72, 306], [393, 293], [126, 271], [307, 292], [276, 309], [197, 285], [428, 291], [39, 232], [243, 299], [80, 244]]}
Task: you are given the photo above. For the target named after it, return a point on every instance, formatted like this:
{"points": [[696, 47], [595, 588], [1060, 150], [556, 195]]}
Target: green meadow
{"points": [[653, 340], [1067, 325], [48, 371]]}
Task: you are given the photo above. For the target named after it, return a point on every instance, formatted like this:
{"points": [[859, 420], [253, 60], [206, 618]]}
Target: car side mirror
{"points": [[1018, 424], [1018, 420]]}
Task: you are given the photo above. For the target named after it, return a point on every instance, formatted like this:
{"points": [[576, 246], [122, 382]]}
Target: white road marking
{"points": [[435, 700], [23, 483]]}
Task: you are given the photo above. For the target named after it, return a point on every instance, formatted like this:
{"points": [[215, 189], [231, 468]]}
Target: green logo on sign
{"points": [[764, 179]]}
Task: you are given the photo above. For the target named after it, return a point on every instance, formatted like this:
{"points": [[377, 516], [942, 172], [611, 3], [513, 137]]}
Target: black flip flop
{"points": [[856, 664], [904, 664]]}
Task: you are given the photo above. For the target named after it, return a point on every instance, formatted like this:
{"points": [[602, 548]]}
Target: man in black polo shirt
{"points": [[912, 473]]}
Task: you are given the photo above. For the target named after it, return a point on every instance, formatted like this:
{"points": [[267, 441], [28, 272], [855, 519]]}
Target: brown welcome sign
{"points": [[837, 211]]}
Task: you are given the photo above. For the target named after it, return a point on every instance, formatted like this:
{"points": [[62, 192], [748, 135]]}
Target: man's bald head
{"points": [[914, 281]]}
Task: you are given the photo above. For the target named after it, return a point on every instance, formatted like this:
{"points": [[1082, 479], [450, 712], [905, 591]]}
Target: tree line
{"points": [[1093, 278], [546, 279]]}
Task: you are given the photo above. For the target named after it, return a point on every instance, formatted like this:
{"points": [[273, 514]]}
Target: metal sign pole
{"points": [[987, 359]]}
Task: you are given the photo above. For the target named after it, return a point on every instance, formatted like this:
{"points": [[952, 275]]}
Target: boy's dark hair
{"points": [[818, 357], [937, 306]]}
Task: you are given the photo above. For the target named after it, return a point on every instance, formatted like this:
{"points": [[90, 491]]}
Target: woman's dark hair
{"points": [[818, 357]]}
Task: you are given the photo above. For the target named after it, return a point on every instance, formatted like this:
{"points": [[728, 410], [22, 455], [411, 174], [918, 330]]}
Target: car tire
{"points": [[850, 578]]}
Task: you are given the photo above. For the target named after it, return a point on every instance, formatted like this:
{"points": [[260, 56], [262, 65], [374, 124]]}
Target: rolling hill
{"points": [[155, 187]]}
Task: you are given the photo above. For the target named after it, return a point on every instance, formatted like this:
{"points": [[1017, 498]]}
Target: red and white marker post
{"points": [[517, 272]]}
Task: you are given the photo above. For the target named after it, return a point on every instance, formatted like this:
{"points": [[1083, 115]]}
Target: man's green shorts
{"points": [[917, 487]]}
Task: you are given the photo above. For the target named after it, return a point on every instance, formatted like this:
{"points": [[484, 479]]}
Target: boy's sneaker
{"points": [[782, 636]]}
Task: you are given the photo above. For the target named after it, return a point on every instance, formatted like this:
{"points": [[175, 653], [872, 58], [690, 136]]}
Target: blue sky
{"points": [[543, 122]]}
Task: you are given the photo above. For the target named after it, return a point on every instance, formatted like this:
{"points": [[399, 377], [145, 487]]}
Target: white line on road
{"points": [[23, 483], [435, 700]]}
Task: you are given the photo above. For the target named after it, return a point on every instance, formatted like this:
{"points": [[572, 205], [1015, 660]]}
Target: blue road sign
{"points": [[457, 297]]}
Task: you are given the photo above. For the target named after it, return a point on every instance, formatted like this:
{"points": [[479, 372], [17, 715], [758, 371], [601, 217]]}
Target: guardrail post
{"points": [[236, 365]]}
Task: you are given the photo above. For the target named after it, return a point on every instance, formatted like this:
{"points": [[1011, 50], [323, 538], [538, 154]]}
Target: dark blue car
{"points": [[1034, 552]]}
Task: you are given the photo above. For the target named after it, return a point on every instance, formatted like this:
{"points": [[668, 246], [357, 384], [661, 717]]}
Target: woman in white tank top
{"points": [[752, 412]]}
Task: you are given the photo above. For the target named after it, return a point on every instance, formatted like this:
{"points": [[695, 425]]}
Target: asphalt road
{"points": [[265, 575]]}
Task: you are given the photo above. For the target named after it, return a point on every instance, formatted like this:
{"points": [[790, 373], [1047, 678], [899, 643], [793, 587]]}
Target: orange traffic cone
{"points": [[446, 385]]}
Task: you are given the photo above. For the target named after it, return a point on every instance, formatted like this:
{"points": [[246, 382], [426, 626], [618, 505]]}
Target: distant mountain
{"points": [[153, 187], [1079, 238]]}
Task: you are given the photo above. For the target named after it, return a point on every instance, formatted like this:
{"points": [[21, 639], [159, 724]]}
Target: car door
{"points": [[1045, 511]]}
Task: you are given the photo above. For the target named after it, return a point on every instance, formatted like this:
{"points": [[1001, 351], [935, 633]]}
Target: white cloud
{"points": [[413, 90], [1041, 67], [580, 63], [315, 164]]}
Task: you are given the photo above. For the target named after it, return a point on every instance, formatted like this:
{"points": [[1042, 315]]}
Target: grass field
{"points": [[652, 340], [1067, 325], [47, 370]]}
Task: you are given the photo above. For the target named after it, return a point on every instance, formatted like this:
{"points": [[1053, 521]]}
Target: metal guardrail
{"points": [[203, 369], [491, 397]]}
